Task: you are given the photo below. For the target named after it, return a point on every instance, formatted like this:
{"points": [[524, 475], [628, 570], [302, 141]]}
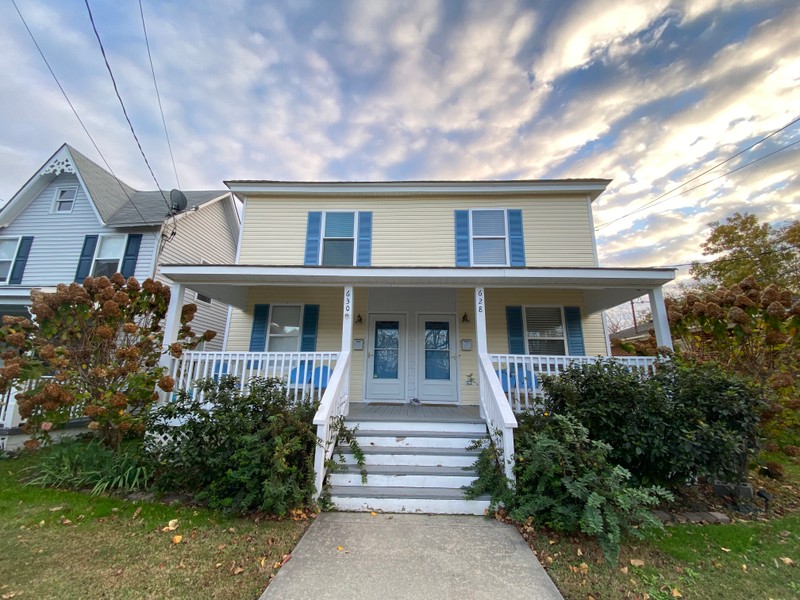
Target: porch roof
{"points": [[603, 287]]}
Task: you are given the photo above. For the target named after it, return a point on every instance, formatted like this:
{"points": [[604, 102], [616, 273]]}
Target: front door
{"points": [[437, 372], [386, 364]]}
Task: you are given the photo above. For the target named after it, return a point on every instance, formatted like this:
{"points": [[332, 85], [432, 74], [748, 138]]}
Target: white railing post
{"points": [[172, 326]]}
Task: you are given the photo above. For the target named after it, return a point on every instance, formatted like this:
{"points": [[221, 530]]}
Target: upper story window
{"points": [[338, 239], [489, 238], [283, 333], [64, 200], [108, 256], [8, 252], [545, 332]]}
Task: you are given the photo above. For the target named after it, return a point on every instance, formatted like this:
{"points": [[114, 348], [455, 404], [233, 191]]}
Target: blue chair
{"points": [[320, 377], [300, 374], [505, 381], [220, 369]]}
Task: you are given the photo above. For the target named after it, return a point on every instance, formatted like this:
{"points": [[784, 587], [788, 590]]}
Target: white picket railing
{"points": [[335, 403], [497, 413], [9, 413], [305, 374], [519, 374]]}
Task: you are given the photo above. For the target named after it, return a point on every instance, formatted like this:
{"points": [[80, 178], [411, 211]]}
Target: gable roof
{"points": [[115, 202]]}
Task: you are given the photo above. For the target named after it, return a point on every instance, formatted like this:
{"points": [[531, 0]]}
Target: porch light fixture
{"points": [[465, 318], [359, 320]]}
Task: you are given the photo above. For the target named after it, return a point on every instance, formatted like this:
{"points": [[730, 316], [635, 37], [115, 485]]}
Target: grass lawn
{"points": [[755, 558], [59, 544]]}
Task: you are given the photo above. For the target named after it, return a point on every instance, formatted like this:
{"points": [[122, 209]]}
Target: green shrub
{"points": [[77, 464], [687, 421], [237, 452], [566, 481]]}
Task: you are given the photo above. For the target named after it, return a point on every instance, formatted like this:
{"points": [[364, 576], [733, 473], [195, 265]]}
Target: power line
{"points": [[124, 110], [719, 164], [158, 95], [75, 112]]}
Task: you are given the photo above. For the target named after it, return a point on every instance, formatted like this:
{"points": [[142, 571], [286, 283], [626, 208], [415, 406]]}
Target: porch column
{"points": [[480, 321], [172, 325], [660, 322], [347, 319]]}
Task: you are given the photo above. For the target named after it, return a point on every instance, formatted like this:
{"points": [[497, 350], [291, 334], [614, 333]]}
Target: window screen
{"points": [[284, 329], [489, 237], [545, 330], [109, 253], [338, 243]]}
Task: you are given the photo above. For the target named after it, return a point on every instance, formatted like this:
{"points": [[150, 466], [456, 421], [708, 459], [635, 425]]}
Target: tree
{"points": [[750, 330], [94, 348], [749, 247]]}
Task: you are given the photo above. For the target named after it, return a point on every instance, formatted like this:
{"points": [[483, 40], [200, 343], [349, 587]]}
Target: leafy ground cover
{"points": [[61, 544], [756, 556]]}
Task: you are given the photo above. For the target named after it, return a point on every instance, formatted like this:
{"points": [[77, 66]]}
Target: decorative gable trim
{"points": [[58, 165]]}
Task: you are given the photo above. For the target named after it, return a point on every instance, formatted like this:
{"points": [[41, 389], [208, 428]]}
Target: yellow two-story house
{"points": [[425, 312]]}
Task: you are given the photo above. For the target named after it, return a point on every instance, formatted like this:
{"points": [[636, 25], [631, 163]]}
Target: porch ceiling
{"points": [[603, 287]]}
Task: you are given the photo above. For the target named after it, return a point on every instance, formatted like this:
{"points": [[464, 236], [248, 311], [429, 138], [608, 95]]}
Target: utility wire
{"points": [[124, 110], [158, 95], [696, 177], [75, 112]]}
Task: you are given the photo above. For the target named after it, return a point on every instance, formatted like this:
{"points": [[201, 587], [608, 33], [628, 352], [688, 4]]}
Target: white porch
{"points": [[504, 382]]}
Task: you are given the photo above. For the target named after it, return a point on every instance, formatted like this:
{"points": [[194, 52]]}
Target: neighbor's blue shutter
{"points": [[85, 261], [313, 233], [308, 341], [21, 260], [258, 335], [572, 316], [516, 332], [516, 241], [364, 255], [462, 238], [131, 254]]}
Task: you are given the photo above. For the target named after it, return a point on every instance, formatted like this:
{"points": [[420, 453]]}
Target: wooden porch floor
{"points": [[413, 412]]}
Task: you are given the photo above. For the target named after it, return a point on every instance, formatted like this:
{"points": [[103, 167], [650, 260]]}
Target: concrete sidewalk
{"points": [[410, 557]]}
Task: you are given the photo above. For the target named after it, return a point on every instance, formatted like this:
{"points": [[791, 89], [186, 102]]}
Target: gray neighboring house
{"points": [[73, 219]]}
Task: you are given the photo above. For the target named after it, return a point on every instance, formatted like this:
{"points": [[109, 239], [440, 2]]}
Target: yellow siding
{"points": [[415, 232], [498, 299]]}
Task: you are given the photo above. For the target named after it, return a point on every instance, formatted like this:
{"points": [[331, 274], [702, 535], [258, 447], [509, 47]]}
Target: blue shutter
{"points": [[313, 232], [516, 241], [364, 254], [516, 332], [462, 238], [85, 261], [308, 341], [131, 254], [21, 260], [572, 316], [258, 335]]}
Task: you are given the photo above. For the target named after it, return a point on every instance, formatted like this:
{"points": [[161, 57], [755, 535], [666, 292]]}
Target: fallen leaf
{"points": [[744, 568], [56, 508], [41, 523], [171, 526], [637, 562], [580, 552], [221, 546], [787, 561], [8, 596], [136, 512], [725, 549], [340, 548], [784, 533], [237, 571], [584, 568], [286, 558], [176, 539], [218, 565], [624, 570], [549, 560], [65, 521], [373, 514], [675, 593], [552, 542]]}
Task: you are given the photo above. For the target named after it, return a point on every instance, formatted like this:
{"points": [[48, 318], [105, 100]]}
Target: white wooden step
{"points": [[414, 477], [443, 457], [399, 500], [470, 427], [400, 439]]}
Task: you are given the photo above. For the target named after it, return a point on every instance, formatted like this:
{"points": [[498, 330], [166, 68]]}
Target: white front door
{"points": [[386, 358], [437, 365]]}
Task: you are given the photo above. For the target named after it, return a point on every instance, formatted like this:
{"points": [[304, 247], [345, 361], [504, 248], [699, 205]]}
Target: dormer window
{"points": [[65, 199]]}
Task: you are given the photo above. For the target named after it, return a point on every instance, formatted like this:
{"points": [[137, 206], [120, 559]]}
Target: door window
{"points": [[387, 350], [437, 350]]}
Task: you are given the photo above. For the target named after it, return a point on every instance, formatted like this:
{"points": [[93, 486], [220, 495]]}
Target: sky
{"points": [[647, 93]]}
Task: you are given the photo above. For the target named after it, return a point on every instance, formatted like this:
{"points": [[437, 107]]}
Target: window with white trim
{"points": [[338, 239], [489, 238], [108, 255], [545, 332], [8, 253], [284, 329], [64, 200]]}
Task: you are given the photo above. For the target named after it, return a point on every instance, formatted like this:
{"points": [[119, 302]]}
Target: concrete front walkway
{"points": [[410, 557]]}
